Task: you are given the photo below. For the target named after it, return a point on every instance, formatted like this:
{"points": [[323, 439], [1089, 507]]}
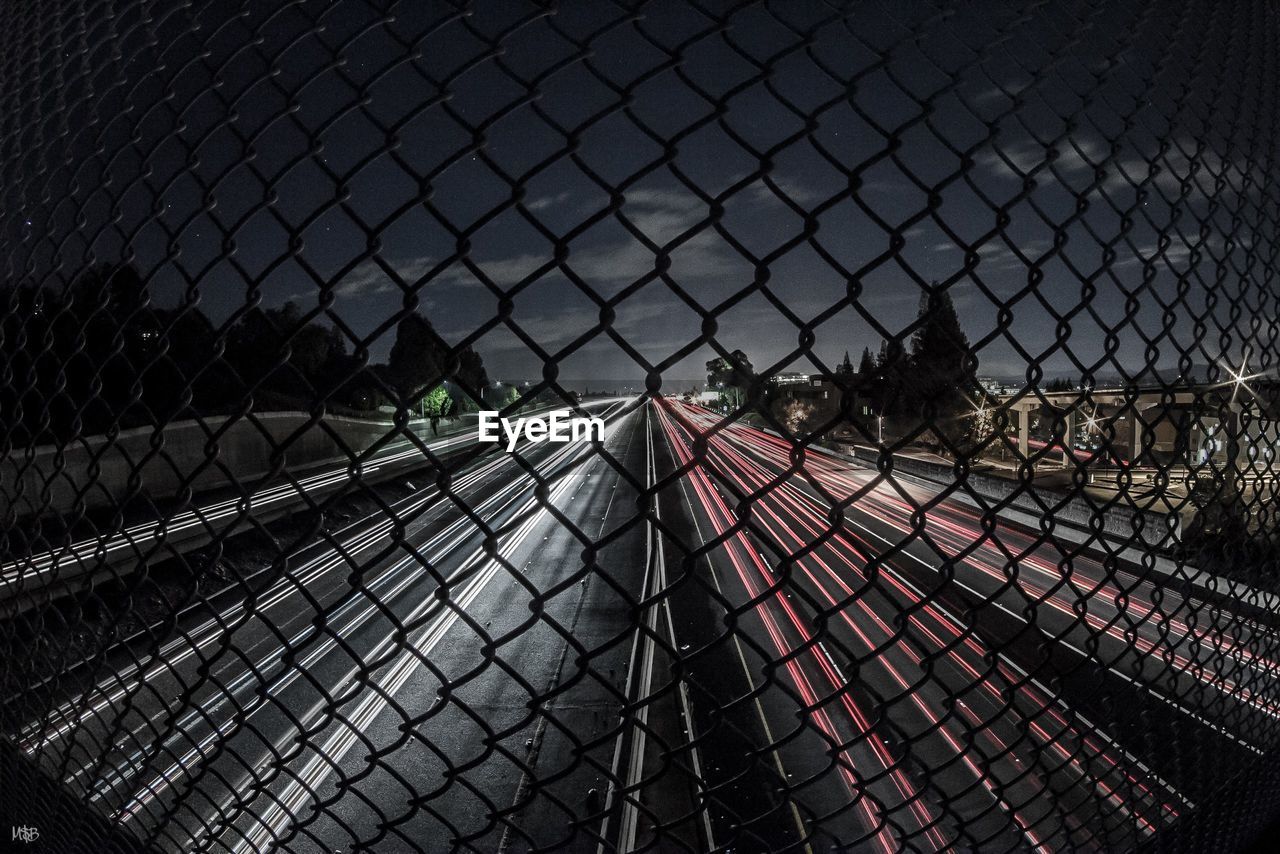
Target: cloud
{"points": [[798, 193], [996, 256], [543, 202], [635, 320], [369, 279], [661, 216], [1072, 157], [1080, 158], [1176, 256]]}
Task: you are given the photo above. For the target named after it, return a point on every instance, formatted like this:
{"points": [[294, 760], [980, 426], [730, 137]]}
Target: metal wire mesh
{"points": [[1005, 582]]}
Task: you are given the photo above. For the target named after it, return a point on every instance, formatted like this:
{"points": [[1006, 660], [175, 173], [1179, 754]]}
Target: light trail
{"points": [[397, 579], [37, 735], [834, 474], [20, 573], [967, 540], [267, 827], [135, 674], [784, 498], [813, 527], [724, 521]]}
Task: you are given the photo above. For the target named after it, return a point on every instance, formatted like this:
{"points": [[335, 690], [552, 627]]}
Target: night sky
{"points": [[773, 166]]}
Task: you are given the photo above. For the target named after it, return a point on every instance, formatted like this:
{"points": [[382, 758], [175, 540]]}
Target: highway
{"points": [[955, 669], [89, 556], [685, 638]]}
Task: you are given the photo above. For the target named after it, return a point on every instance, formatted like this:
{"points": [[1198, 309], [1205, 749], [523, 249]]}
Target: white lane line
{"points": [[181, 648], [746, 672], [31, 568], [630, 819], [628, 693], [521, 789], [686, 710], [286, 807]]}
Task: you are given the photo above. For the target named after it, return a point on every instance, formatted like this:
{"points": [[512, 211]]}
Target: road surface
{"points": [[687, 638]]}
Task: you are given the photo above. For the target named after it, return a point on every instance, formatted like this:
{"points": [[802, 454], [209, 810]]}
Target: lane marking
{"points": [[746, 671], [522, 786], [630, 821], [284, 808]]}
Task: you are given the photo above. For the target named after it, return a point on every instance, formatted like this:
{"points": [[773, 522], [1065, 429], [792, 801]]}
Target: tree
{"points": [[414, 365], [98, 354], [845, 371], [314, 349], [796, 414], [732, 375], [295, 361], [866, 365], [436, 403], [891, 389], [943, 371], [471, 373], [420, 359]]}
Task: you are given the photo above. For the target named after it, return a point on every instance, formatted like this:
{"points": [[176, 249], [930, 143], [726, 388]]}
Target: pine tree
{"points": [[943, 376], [414, 364], [892, 391], [845, 371]]}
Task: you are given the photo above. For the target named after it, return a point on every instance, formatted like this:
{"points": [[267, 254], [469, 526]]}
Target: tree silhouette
{"points": [[733, 374], [866, 365], [943, 371], [891, 389], [98, 355], [420, 360], [845, 371]]}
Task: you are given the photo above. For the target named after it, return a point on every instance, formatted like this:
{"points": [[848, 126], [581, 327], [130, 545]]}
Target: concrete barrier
{"points": [[158, 464]]}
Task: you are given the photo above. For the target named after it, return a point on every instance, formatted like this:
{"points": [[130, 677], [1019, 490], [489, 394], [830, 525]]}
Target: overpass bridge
{"points": [[1233, 424]]}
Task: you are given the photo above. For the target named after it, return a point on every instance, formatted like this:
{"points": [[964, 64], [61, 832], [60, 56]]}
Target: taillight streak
{"points": [[722, 519], [1067, 756]]}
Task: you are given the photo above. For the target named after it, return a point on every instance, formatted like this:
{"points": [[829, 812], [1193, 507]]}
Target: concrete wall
{"points": [[159, 464]]}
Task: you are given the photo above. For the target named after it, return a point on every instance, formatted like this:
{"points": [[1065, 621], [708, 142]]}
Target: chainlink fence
{"points": [[929, 500]]}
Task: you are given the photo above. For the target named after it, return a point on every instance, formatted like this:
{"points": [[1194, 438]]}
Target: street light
{"points": [[880, 429]]}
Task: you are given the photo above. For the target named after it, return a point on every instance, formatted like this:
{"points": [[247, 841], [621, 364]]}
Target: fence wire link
{"points": [[1005, 582]]}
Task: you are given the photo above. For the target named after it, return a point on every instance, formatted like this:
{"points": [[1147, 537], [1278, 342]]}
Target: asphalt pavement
{"points": [[654, 645]]}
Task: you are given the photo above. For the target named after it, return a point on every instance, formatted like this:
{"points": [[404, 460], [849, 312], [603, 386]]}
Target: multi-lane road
{"points": [[684, 637]]}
